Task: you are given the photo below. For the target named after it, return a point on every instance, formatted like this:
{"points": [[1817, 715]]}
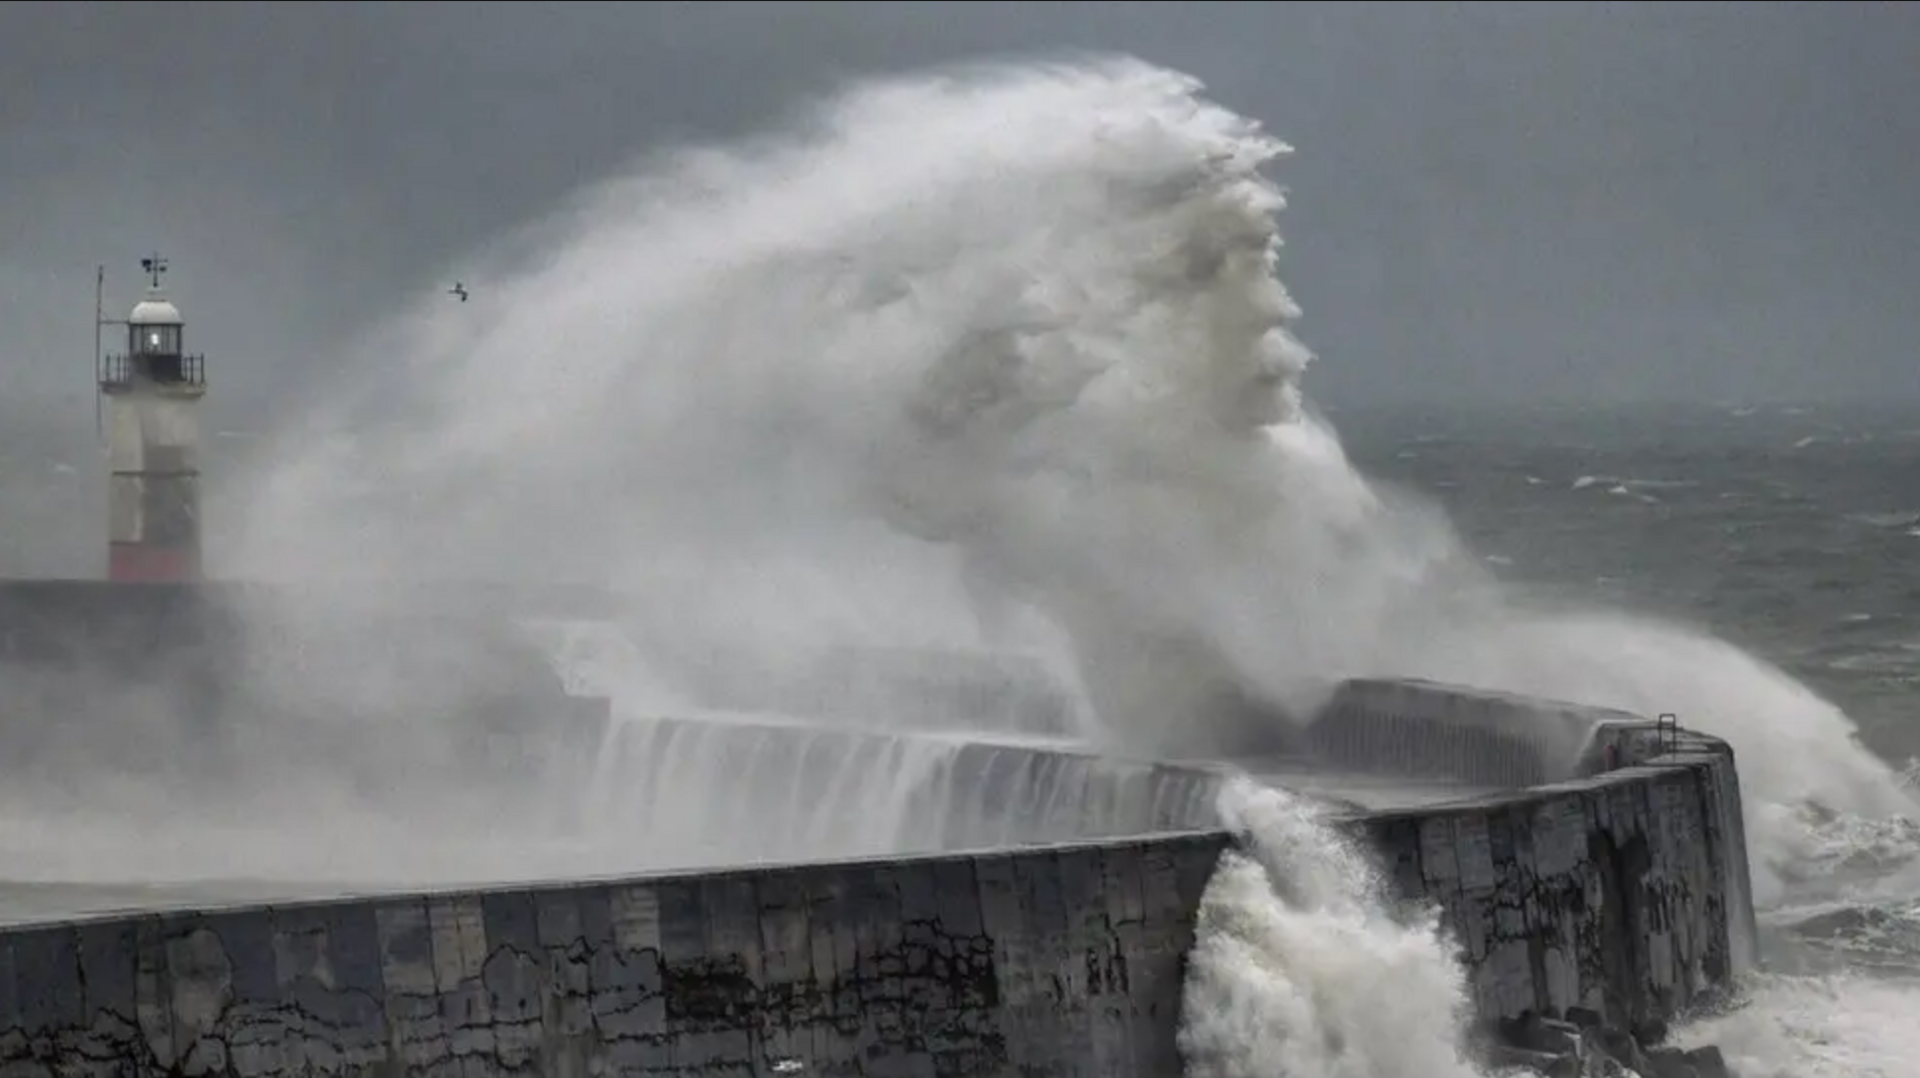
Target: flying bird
{"points": [[459, 289]]}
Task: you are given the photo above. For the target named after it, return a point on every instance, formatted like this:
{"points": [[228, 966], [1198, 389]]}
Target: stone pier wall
{"points": [[1625, 893], [803, 792], [1618, 891], [1430, 730]]}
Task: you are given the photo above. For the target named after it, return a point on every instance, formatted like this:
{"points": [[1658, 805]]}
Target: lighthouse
{"points": [[151, 394]]}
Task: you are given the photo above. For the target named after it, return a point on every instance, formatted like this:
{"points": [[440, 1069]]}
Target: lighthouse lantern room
{"points": [[151, 393]]}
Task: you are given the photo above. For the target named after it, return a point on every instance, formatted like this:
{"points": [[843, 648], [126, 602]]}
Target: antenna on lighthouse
{"points": [[99, 323]]}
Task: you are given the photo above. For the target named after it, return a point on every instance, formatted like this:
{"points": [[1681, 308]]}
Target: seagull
{"points": [[459, 289]]}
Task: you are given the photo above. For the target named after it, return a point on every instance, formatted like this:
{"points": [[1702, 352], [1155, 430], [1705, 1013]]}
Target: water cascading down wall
{"points": [[1621, 887]]}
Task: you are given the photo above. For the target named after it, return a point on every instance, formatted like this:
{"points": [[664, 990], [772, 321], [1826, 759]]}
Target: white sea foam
{"points": [[1301, 967]]}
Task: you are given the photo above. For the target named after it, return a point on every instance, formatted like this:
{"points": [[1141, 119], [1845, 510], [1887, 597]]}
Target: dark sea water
{"points": [[1794, 532]]}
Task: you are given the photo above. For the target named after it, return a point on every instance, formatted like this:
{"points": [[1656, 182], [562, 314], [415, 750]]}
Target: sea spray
{"points": [[1844, 1025], [1303, 966], [1007, 334]]}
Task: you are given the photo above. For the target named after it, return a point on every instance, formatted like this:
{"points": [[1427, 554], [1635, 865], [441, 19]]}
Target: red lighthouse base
{"points": [[141, 563]]}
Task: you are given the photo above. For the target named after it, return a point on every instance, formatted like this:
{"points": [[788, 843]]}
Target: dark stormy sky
{"points": [[1491, 201]]}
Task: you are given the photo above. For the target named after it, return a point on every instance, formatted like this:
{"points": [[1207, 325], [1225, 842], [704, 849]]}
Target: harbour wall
{"points": [[1424, 729], [1622, 891], [807, 792]]}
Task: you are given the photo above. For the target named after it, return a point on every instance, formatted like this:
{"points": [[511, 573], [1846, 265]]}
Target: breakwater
{"points": [[1620, 892]]}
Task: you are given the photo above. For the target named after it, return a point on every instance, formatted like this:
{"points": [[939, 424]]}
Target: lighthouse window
{"points": [[157, 340]]}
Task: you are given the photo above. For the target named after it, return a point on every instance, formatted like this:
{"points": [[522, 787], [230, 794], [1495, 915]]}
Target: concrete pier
{"points": [[1623, 892], [1580, 858]]}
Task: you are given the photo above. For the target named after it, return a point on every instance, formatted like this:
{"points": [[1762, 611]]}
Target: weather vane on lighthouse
{"points": [[151, 393]]}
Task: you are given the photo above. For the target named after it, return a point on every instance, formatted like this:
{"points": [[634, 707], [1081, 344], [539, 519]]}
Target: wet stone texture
{"points": [[1609, 894], [1062, 961], [1623, 894]]}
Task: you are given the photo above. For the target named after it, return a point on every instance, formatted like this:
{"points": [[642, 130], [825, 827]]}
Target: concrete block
{"points": [[106, 954], [697, 988], [1439, 858], [152, 1000], [1095, 968], [834, 1004], [933, 971], [1019, 981], [515, 976], [332, 989], [562, 935], [788, 992], [1159, 964], [1124, 911], [456, 935], [878, 972], [47, 985], [1056, 1036], [421, 1039], [732, 1035]]}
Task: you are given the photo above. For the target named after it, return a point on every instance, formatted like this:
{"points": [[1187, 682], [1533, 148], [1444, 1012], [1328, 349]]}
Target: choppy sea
{"points": [[1792, 531]]}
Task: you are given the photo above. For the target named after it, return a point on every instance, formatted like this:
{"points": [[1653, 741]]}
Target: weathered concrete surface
{"points": [[797, 790], [1430, 730], [1634, 743], [1063, 961], [1613, 891], [1625, 892]]}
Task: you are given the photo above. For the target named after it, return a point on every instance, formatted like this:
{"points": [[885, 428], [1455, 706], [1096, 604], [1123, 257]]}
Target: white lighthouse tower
{"points": [[151, 393]]}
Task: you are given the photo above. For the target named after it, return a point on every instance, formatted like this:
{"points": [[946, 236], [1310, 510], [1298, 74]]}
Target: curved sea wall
{"points": [[1432, 730], [765, 790], [1622, 892]]}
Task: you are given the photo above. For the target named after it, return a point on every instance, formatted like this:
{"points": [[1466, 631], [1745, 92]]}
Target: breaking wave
{"points": [[1301, 968]]}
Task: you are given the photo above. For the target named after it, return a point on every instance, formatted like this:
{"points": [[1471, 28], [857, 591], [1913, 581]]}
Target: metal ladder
{"points": [[1666, 728]]}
